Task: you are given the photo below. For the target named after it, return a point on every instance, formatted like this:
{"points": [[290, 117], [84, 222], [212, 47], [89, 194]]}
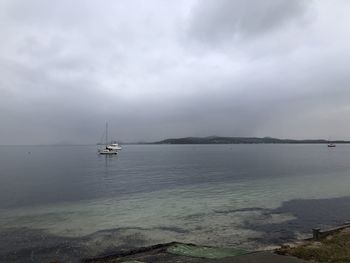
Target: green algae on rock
{"points": [[204, 252]]}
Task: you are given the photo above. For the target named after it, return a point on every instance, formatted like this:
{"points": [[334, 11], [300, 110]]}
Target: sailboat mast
{"points": [[106, 133]]}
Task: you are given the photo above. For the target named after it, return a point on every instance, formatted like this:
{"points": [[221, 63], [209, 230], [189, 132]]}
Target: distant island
{"points": [[241, 140]]}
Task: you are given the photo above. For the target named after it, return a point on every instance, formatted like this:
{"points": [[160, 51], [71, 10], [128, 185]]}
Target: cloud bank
{"points": [[157, 69]]}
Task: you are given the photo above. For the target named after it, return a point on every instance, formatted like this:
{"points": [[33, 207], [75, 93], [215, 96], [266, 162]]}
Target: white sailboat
{"points": [[109, 149], [331, 144], [114, 146]]}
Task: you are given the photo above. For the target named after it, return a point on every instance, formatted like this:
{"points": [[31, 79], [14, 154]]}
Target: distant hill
{"points": [[239, 140]]}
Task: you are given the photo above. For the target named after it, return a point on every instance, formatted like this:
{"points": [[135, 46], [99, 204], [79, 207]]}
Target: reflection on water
{"points": [[71, 201], [108, 164]]}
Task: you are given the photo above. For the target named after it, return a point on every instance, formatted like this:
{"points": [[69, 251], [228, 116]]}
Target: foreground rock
{"points": [[329, 246], [189, 253]]}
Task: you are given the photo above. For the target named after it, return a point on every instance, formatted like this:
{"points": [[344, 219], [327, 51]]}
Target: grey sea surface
{"points": [[66, 202]]}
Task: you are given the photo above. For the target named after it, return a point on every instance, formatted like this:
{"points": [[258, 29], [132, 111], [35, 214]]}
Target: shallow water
{"points": [[66, 202]]}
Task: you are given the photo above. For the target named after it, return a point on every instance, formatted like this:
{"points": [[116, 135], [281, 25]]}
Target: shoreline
{"points": [[328, 245], [285, 253], [164, 253]]}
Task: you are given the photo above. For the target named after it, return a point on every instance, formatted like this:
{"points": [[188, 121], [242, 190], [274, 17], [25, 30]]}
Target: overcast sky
{"points": [[158, 68]]}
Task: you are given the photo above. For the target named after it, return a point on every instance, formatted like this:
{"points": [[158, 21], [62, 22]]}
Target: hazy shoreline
{"points": [[204, 140]]}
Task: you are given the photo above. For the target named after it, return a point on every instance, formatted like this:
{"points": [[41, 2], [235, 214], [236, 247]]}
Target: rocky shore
{"points": [[329, 245], [190, 253]]}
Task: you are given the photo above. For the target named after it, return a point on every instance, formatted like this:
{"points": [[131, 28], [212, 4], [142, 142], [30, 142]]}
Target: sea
{"points": [[67, 203]]}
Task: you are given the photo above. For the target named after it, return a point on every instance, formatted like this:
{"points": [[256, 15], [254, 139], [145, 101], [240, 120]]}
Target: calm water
{"points": [[66, 202]]}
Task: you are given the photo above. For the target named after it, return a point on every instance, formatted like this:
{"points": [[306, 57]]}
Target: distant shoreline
{"points": [[206, 140], [244, 140]]}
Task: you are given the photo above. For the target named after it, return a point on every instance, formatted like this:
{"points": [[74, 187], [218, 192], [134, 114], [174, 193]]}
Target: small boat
{"points": [[114, 146], [107, 151], [110, 149], [331, 145]]}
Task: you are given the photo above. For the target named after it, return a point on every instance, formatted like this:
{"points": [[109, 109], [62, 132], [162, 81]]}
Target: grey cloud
{"points": [[216, 21], [63, 74]]}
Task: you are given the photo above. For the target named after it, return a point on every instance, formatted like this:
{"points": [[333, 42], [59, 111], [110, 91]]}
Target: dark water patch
{"points": [[35, 245], [307, 213], [247, 209], [174, 229], [113, 231], [193, 216], [28, 245], [130, 252]]}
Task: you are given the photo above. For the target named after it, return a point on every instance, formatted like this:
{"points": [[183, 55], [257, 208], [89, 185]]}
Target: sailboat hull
{"points": [[107, 152]]}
